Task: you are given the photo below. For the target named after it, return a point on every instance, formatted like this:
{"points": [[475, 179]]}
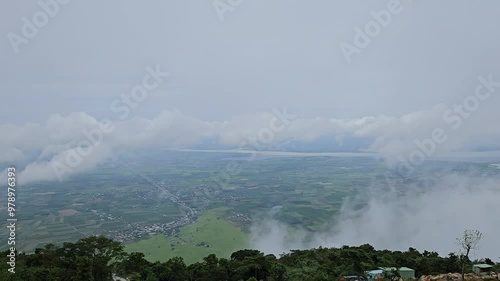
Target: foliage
{"points": [[97, 258]]}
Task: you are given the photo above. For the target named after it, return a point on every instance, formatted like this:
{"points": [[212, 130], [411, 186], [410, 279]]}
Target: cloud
{"points": [[48, 170], [40, 145], [10, 154], [426, 218]]}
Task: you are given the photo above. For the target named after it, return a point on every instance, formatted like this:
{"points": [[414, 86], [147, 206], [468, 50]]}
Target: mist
{"points": [[426, 218], [42, 145]]}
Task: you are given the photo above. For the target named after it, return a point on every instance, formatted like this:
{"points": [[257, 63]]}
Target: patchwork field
{"points": [[162, 191], [210, 234]]}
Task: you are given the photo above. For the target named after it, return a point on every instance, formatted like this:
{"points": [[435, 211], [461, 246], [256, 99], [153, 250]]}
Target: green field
{"points": [[115, 200], [210, 229]]}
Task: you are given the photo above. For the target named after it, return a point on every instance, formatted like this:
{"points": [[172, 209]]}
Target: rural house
{"points": [[482, 269]]}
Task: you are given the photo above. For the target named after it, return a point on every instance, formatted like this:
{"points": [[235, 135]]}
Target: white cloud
{"points": [[426, 218], [392, 136]]}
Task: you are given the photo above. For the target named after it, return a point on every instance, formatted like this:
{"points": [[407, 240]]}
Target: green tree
{"points": [[103, 253], [242, 254], [151, 277], [392, 274], [134, 263], [172, 270], [84, 269]]}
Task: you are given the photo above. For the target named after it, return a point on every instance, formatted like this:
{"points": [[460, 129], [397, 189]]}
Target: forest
{"points": [[98, 258]]}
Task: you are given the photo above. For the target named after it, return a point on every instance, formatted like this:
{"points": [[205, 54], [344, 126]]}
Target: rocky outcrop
{"points": [[455, 277]]}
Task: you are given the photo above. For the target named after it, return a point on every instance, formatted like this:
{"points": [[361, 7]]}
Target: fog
{"points": [[427, 218], [36, 147], [86, 83], [426, 69]]}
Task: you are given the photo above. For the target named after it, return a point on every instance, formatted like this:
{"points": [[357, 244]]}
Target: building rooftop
{"points": [[483, 265], [394, 268]]}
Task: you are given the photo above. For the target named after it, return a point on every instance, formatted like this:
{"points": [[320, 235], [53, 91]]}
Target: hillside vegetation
{"points": [[98, 258]]}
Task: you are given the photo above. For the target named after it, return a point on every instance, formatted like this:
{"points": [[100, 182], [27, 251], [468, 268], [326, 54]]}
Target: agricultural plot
{"points": [[154, 196], [209, 234]]}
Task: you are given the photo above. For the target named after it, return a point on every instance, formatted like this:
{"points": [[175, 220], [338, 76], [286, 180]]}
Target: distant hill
{"points": [[327, 143]]}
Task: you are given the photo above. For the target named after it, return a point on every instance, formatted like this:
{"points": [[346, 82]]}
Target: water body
{"points": [[496, 165], [281, 153], [476, 157]]}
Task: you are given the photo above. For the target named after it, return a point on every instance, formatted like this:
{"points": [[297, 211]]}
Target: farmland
{"points": [[210, 234], [175, 200]]}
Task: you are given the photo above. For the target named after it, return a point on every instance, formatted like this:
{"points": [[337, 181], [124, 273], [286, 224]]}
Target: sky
{"points": [[263, 54], [389, 73], [385, 72], [408, 80]]}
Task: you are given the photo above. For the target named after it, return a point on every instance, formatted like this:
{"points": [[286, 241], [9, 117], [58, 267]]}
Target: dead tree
{"points": [[468, 243]]}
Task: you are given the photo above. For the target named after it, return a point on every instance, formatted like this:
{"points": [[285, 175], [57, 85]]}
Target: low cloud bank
{"points": [[41, 145], [428, 218]]}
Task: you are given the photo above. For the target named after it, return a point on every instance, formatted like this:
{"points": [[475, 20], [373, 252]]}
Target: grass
{"points": [[210, 228]]}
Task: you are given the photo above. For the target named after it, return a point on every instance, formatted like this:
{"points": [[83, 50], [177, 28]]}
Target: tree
{"points": [[392, 274], [151, 277], [242, 254], [468, 243], [134, 276], [84, 269], [489, 261], [134, 262], [452, 263], [102, 252]]}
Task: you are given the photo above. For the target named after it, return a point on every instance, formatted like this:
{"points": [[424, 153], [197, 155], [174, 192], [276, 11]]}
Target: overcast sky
{"points": [[227, 69], [264, 54]]}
